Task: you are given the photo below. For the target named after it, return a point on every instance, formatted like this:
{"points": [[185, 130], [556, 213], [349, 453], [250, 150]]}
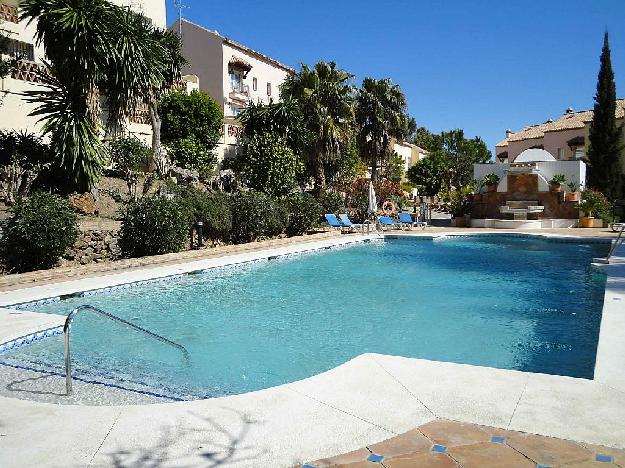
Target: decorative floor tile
{"points": [[604, 458], [374, 457], [439, 448], [498, 440], [404, 444]]}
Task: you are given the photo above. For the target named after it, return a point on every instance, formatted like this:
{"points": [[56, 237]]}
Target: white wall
{"points": [[574, 171], [153, 9]]}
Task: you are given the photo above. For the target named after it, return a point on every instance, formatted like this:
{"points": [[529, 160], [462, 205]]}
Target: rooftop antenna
{"points": [[180, 5]]}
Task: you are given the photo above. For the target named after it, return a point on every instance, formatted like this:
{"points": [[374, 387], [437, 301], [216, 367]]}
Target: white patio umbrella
{"points": [[373, 203]]}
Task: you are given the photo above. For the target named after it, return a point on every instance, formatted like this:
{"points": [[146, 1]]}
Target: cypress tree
{"points": [[604, 156]]}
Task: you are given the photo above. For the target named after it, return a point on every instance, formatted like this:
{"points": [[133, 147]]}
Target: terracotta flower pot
{"points": [[491, 188], [459, 221], [556, 188], [572, 196], [587, 221]]}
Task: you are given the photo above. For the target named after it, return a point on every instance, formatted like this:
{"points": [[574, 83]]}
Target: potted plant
{"points": [[459, 206], [490, 181], [556, 182], [593, 202], [573, 194], [478, 185]]}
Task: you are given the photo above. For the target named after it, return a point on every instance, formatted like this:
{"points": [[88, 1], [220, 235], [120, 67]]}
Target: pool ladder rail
{"points": [[615, 245], [114, 318]]}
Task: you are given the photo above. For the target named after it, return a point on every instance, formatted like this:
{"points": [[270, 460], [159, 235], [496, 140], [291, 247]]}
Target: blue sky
{"points": [[480, 65]]}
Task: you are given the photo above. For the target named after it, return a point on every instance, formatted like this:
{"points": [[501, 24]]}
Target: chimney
{"points": [[569, 110], [508, 133]]}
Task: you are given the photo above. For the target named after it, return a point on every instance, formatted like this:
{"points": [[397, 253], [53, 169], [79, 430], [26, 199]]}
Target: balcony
{"points": [[239, 92], [8, 13], [25, 70]]}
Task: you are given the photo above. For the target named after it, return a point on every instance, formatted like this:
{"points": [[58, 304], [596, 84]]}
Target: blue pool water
{"points": [[513, 303]]}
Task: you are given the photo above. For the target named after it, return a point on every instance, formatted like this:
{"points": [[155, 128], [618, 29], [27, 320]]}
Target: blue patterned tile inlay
{"points": [[375, 458], [604, 458], [29, 339], [309, 466], [542, 466], [498, 440], [439, 448]]}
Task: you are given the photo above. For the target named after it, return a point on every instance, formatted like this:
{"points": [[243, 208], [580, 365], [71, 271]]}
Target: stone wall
{"points": [[93, 246]]}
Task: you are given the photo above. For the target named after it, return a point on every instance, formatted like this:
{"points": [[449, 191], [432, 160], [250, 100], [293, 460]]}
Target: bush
{"points": [[332, 202], [303, 213], [595, 203], [38, 232], [212, 208], [129, 154], [153, 226], [268, 164], [254, 215], [190, 153]]}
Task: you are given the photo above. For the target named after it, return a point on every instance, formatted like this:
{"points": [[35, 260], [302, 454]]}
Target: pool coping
{"points": [[370, 398]]}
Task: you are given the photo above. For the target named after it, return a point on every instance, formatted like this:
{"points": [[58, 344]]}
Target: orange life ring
{"points": [[388, 207]]}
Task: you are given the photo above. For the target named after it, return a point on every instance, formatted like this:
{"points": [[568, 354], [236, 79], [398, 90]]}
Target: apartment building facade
{"points": [[232, 74], [29, 57], [565, 138]]}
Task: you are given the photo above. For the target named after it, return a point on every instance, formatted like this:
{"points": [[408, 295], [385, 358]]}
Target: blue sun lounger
{"points": [[333, 221], [406, 220], [348, 223], [386, 221]]}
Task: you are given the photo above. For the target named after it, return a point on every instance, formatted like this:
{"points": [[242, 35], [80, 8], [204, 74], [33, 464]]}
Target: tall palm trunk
{"points": [[157, 159], [319, 171]]}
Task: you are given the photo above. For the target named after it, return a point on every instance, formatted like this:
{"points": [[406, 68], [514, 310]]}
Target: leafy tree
{"points": [[194, 115], [268, 164], [325, 97], [394, 169], [604, 171], [190, 153], [129, 155], [380, 117], [462, 153], [22, 157], [425, 139], [344, 169], [430, 174]]}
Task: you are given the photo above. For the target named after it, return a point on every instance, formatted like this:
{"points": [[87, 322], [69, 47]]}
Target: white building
{"points": [[411, 154], [232, 74], [15, 110]]}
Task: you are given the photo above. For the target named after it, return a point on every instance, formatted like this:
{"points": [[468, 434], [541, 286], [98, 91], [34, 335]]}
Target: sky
{"points": [[480, 65]]}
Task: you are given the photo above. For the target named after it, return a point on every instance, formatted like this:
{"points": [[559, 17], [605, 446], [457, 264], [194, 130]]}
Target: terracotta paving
{"points": [[451, 444]]}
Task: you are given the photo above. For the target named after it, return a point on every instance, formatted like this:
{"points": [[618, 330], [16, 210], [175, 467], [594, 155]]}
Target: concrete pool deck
{"points": [[366, 400]]}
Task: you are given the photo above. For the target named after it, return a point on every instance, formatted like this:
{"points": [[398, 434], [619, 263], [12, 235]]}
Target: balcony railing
{"points": [[240, 89], [25, 70], [8, 13]]}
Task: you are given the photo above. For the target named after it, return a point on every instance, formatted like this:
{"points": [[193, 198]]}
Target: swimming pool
{"points": [[509, 302]]}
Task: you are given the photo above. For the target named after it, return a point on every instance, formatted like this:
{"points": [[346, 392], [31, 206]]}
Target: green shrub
{"points": [[303, 213], [268, 164], [190, 153], [129, 154], [254, 215], [153, 226], [332, 202], [212, 208], [595, 203], [38, 232]]}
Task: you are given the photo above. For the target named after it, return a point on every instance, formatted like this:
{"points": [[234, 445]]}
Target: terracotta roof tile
{"points": [[566, 122]]}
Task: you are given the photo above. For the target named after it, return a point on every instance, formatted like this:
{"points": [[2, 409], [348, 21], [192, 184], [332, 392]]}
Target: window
{"points": [[236, 80], [560, 154], [580, 153], [21, 50], [268, 89], [254, 84]]}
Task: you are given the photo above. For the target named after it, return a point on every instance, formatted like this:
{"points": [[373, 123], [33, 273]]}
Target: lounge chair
{"points": [[333, 221], [348, 223], [386, 221], [406, 220]]}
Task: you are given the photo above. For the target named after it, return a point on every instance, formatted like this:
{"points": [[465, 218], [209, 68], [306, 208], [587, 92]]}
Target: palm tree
{"points": [[325, 97], [380, 117], [96, 48]]}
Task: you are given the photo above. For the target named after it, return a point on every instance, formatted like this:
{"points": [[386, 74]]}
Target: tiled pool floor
{"points": [[442, 444]]}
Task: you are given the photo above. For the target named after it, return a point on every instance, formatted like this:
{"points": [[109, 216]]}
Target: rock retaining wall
{"points": [[93, 246]]}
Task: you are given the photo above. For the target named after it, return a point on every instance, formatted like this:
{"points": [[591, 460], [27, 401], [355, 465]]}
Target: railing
{"points": [[67, 327], [26, 70], [9, 13], [240, 89], [618, 242]]}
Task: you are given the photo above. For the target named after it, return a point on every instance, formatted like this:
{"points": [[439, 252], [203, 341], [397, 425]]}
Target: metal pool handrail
{"points": [[66, 332], [617, 242]]}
